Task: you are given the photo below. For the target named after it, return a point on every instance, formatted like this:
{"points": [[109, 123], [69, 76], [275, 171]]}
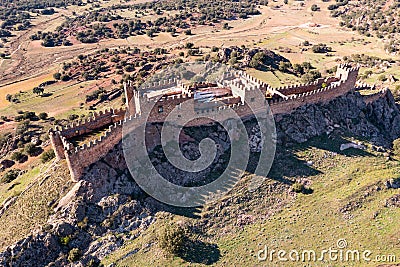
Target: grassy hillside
{"points": [[347, 202], [37, 191]]}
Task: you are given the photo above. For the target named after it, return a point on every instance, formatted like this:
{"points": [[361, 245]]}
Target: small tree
{"points": [[43, 116], [189, 45], [48, 155], [172, 239], [22, 127], [38, 90], [65, 78], [298, 187], [17, 156], [57, 76], [315, 8], [10, 176], [9, 97], [30, 149], [73, 117]]}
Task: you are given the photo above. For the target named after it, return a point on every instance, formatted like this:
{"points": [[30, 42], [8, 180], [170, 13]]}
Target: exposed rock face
{"points": [[379, 121], [393, 183], [99, 206], [108, 202], [393, 201]]}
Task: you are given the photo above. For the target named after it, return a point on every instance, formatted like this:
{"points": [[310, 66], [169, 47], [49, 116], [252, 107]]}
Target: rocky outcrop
{"points": [[89, 217], [393, 201], [378, 121], [270, 58]]}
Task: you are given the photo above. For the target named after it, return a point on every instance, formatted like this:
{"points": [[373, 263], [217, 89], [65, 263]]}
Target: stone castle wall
{"points": [[304, 88], [78, 158]]}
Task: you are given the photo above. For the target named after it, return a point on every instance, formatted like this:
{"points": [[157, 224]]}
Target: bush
{"points": [[297, 187], [17, 156], [65, 240], [382, 77], [172, 239], [315, 8], [10, 176], [30, 149], [73, 117], [74, 255], [43, 116], [48, 155], [22, 127], [321, 48]]}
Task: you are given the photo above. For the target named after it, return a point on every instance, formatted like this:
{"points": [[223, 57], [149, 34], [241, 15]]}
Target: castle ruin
{"points": [[233, 91]]}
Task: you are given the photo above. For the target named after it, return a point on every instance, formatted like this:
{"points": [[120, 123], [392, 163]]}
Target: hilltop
{"points": [[328, 68], [352, 188]]}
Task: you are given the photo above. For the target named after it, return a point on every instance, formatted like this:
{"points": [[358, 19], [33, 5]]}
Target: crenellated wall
{"points": [[245, 89], [81, 157], [97, 121], [78, 158]]}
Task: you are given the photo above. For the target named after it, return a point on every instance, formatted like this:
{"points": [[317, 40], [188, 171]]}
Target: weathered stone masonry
{"points": [[284, 100]]}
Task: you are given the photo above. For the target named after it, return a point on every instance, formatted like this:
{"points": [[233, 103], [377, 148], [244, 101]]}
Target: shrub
{"points": [[17, 156], [43, 116], [74, 255], [30, 149], [22, 127], [297, 187], [73, 117], [173, 238], [65, 240], [48, 155], [382, 77], [314, 7], [321, 48], [10, 176]]}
